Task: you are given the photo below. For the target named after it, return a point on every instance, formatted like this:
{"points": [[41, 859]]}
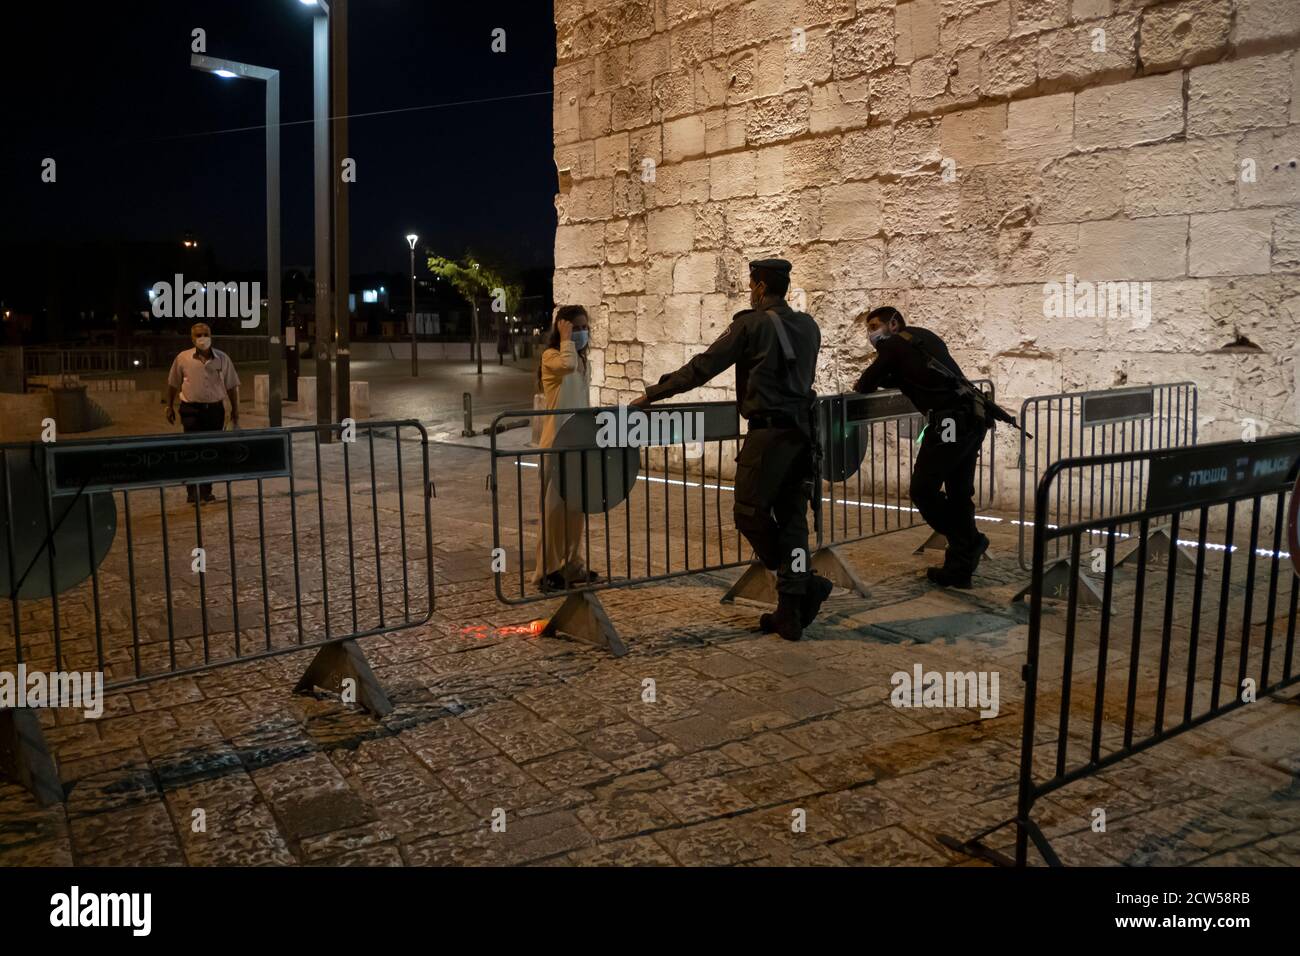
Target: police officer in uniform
{"points": [[774, 349], [917, 363]]}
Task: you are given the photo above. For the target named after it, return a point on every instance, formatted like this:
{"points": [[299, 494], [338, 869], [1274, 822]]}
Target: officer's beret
{"points": [[776, 265]]}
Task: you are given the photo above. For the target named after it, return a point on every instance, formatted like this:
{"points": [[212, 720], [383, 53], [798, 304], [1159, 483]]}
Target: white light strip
{"points": [[1123, 536]]}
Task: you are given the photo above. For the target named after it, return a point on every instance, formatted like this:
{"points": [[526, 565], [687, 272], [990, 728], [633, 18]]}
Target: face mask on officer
{"points": [[878, 336], [580, 339]]}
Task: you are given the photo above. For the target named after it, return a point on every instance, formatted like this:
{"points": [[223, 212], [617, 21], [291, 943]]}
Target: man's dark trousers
{"points": [[202, 417], [771, 502], [950, 464]]}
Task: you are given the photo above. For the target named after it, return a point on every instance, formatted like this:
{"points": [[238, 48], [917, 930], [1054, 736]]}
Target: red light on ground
{"points": [[480, 631]]}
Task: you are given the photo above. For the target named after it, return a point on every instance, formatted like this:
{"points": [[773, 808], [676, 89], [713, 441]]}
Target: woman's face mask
{"points": [[204, 342], [580, 339]]}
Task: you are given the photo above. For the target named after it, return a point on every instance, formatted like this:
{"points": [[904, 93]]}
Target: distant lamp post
{"points": [[229, 69], [411, 240]]}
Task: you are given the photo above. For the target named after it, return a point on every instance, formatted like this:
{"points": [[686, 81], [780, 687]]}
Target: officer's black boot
{"points": [[819, 589], [958, 568], [785, 620]]}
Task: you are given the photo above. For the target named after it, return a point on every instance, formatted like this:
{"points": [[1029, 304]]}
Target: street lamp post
{"points": [[415, 361], [230, 69], [324, 306]]}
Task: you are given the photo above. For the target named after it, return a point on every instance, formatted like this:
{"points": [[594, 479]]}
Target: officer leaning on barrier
{"points": [[774, 349], [917, 363]]}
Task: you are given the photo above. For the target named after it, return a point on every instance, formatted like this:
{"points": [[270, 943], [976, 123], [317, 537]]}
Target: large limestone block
{"points": [[1082, 187], [1184, 33], [919, 204], [1262, 20], [864, 44], [1193, 176], [1231, 243], [917, 24], [1141, 249], [1239, 95], [1274, 157], [670, 230], [697, 272], [1073, 56], [1040, 127], [579, 245], [976, 136], [851, 211], [1127, 114], [777, 118]]}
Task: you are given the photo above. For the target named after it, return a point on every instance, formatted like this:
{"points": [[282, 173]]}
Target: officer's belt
{"points": [[772, 420]]}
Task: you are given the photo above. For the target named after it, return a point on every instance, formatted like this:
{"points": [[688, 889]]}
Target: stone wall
{"points": [[952, 157]]}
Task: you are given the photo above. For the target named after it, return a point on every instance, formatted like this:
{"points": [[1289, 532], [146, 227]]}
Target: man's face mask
{"points": [[204, 342], [580, 339], [878, 336]]}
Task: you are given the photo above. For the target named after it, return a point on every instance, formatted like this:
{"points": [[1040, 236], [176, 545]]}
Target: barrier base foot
{"points": [[757, 584], [1158, 543], [1026, 830], [936, 542], [25, 758], [1056, 585], [831, 565], [582, 617], [342, 661]]}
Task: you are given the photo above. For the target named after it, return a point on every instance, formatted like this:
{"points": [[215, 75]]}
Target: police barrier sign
{"points": [[1190, 477], [166, 460]]}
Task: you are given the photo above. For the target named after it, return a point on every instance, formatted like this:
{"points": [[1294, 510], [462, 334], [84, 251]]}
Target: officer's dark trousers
{"points": [[943, 482], [202, 417], [771, 502]]}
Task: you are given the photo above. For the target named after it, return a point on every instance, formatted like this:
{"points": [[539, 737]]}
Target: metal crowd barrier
{"points": [[869, 449], [312, 544], [1099, 423], [664, 509], [1167, 652], [83, 361]]}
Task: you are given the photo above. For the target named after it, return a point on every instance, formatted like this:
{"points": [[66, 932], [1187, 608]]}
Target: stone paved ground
{"points": [[744, 731]]}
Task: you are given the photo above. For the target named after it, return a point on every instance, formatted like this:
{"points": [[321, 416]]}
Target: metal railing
{"points": [[644, 513], [83, 361], [1174, 643], [869, 450], [107, 567], [662, 508], [1099, 423]]}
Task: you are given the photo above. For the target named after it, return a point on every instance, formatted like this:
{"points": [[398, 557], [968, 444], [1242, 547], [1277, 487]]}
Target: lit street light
{"points": [[230, 69], [411, 239]]}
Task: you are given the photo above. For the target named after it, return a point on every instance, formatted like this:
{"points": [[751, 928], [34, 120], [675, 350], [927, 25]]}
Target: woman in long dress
{"points": [[564, 379]]}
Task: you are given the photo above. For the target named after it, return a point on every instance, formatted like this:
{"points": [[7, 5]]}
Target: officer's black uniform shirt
{"points": [[763, 384], [902, 365]]}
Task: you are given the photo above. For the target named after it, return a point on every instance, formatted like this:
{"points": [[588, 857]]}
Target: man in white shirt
{"points": [[205, 378]]}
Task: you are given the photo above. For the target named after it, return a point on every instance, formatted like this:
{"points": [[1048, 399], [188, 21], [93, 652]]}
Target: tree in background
{"points": [[475, 280]]}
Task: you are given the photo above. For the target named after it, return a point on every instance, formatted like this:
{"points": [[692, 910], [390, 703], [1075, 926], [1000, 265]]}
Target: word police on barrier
{"points": [[119, 466], [1191, 479]]}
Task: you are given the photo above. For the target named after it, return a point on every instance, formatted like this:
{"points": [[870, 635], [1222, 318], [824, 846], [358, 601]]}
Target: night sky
{"points": [[107, 90]]}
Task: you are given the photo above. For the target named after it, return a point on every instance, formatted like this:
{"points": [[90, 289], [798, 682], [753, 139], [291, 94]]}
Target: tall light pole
{"points": [[324, 307], [411, 240], [338, 21], [229, 69]]}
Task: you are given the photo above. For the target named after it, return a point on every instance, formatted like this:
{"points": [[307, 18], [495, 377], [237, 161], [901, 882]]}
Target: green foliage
{"points": [[475, 280]]}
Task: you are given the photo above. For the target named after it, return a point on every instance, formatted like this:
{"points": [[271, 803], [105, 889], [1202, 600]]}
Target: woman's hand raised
{"points": [[566, 329]]}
